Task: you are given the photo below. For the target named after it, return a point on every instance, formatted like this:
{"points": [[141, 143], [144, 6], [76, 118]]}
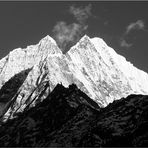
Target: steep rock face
{"points": [[94, 67], [22, 59], [68, 117], [102, 78], [10, 90]]}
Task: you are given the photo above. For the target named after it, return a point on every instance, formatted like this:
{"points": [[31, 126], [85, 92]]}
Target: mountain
{"points": [[67, 117], [28, 75]]}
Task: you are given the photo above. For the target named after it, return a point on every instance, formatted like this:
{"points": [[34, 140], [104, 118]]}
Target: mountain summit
{"points": [[95, 68]]}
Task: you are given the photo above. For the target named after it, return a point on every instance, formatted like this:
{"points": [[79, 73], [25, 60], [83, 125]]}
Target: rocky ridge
{"points": [[69, 118]]}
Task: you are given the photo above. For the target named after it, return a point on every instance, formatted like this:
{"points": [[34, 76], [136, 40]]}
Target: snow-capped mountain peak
{"points": [[91, 64], [48, 41]]}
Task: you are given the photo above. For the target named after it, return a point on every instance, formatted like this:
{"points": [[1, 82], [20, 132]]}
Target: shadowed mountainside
{"points": [[68, 117], [10, 89]]}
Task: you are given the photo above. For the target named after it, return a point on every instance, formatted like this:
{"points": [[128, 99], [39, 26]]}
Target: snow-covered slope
{"points": [[94, 67]]}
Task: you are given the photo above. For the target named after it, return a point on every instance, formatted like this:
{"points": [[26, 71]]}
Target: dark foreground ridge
{"points": [[68, 117]]}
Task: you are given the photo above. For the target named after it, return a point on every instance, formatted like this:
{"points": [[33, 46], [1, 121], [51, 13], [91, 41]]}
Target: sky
{"points": [[122, 25]]}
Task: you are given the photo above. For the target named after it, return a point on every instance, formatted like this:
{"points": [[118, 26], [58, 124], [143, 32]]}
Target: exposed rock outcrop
{"points": [[68, 117]]}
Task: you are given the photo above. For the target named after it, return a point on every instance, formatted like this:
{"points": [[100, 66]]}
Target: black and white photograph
{"points": [[73, 73]]}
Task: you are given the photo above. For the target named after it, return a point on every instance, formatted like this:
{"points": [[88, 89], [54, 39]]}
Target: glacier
{"points": [[91, 64]]}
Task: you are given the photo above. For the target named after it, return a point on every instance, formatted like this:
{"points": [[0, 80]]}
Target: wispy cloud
{"points": [[68, 34], [124, 43], [138, 25], [81, 14]]}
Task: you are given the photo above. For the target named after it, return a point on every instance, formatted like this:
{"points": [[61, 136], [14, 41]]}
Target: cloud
{"points": [[124, 43], [128, 34], [138, 25], [67, 35], [81, 14]]}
